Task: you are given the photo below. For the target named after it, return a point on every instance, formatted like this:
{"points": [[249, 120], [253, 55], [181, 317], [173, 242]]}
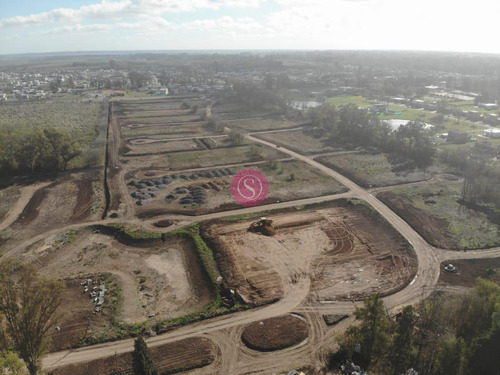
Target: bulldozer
{"points": [[264, 225]]}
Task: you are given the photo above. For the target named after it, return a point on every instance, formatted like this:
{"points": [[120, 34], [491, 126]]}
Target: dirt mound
{"points": [[163, 223], [275, 333]]}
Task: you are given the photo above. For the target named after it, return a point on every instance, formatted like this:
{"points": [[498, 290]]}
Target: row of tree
{"points": [[35, 150], [354, 126], [459, 336]]}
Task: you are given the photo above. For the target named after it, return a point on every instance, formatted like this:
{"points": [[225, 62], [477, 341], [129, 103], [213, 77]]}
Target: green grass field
{"points": [[221, 156], [344, 100], [468, 228], [79, 116], [372, 170]]}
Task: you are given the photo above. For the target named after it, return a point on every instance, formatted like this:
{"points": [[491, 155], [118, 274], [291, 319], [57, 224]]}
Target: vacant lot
{"points": [[152, 280], [469, 270], [347, 250], [170, 358], [369, 170], [297, 141], [433, 210], [209, 190], [70, 199]]}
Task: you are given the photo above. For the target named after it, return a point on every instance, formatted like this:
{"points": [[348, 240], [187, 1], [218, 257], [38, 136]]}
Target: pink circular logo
{"points": [[249, 187]]}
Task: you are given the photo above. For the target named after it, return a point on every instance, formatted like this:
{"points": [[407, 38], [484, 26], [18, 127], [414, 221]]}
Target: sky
{"points": [[31, 26]]}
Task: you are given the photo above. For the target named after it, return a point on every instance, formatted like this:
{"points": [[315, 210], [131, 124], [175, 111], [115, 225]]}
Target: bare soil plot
{"points": [[297, 141], [371, 170], [178, 192], [73, 198], [347, 250], [154, 281], [469, 270], [434, 211], [275, 333], [170, 358]]}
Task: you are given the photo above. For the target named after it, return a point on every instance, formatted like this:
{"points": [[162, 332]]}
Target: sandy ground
{"points": [[159, 280], [334, 247]]}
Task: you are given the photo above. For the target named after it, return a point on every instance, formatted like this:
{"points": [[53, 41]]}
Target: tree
{"points": [[451, 359], [372, 334], [484, 358], [143, 362], [28, 304], [236, 137], [63, 147], [137, 79], [402, 345], [12, 363]]}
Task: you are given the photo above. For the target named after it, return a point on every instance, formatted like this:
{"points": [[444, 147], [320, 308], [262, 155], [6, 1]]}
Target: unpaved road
{"points": [[225, 331], [27, 193]]}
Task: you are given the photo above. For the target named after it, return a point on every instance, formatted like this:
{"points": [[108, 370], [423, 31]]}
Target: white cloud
{"points": [[225, 23], [79, 28], [115, 10], [57, 15]]}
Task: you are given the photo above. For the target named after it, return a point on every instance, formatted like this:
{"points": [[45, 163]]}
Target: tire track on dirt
{"points": [[27, 193]]}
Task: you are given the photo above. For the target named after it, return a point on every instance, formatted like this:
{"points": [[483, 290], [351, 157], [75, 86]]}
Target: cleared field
{"points": [[288, 180], [70, 199], [347, 250], [297, 141], [435, 212], [275, 333], [170, 358], [469, 270], [167, 131], [369, 170], [146, 281], [162, 120], [207, 158]]}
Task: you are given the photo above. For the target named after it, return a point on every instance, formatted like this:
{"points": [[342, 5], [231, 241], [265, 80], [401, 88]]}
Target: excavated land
{"points": [[150, 280], [347, 250], [170, 358], [74, 198]]}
